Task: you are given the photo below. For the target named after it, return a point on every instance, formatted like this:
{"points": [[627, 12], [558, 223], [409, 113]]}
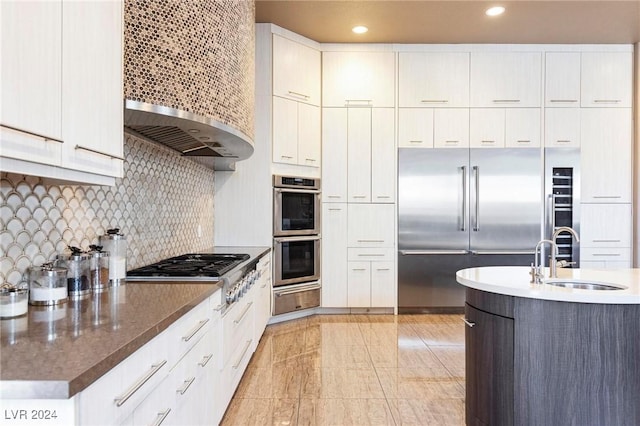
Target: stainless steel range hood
{"points": [[210, 142]]}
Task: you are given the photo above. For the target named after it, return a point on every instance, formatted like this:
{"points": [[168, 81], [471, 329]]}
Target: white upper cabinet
{"points": [[358, 79], [606, 155], [487, 128], [433, 79], [296, 133], [334, 155], [31, 83], [62, 89], [296, 71], [522, 127], [359, 155], [562, 79], [562, 127], [451, 128], [92, 119], [607, 79], [506, 79], [415, 128]]}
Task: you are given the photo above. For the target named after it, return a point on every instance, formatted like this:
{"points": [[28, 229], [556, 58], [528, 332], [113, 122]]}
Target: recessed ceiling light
{"points": [[360, 29], [495, 11]]}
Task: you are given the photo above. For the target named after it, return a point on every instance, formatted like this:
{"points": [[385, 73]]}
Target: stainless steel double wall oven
{"points": [[296, 241]]}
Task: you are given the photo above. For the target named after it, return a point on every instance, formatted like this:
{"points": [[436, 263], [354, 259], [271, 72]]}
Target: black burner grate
{"points": [[191, 265]]}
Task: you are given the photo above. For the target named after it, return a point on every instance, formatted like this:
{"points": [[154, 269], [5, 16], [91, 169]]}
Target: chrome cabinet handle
{"points": [[95, 151], [464, 199], [186, 385], [298, 95], [506, 101], [607, 196], [358, 102], [144, 379], [196, 329], [434, 101], [371, 241], [371, 255], [563, 100], [607, 101], [219, 307], [205, 360], [469, 323], [605, 241], [244, 351], [429, 252], [46, 138], [160, 417], [244, 312]]}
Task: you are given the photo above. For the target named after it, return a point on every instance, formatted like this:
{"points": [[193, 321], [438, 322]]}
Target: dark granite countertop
{"points": [[56, 352]]}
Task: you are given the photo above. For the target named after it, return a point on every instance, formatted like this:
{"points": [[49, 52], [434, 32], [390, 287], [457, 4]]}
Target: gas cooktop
{"points": [[193, 265]]}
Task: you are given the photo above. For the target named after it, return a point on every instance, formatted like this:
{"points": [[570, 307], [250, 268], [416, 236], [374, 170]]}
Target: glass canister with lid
{"points": [[99, 268], [13, 300], [116, 244], [47, 285], [78, 265]]}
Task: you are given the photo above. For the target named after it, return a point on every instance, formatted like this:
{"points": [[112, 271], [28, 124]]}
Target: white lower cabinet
{"points": [[371, 278], [263, 296], [605, 236], [334, 255]]}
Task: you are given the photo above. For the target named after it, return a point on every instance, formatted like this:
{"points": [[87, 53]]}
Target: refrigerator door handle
{"points": [[424, 252], [476, 173], [464, 199], [505, 252]]}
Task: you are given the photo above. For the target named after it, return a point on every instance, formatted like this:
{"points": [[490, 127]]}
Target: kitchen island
{"points": [[544, 354]]}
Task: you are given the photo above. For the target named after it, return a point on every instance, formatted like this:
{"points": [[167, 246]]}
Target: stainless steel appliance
{"points": [[234, 270], [461, 208], [296, 243], [296, 206], [297, 260], [562, 196]]}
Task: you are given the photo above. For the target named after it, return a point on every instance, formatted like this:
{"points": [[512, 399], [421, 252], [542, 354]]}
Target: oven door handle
{"points": [[299, 238], [298, 191]]}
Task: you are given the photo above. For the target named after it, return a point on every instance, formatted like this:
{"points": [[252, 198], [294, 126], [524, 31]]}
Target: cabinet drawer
{"points": [[605, 225], [605, 254], [185, 332], [357, 254], [237, 327]]}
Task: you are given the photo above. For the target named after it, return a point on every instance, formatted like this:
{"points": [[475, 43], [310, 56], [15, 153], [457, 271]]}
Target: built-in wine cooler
{"points": [[562, 188]]}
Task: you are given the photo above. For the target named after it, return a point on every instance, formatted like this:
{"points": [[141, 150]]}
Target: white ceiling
{"points": [[457, 21]]}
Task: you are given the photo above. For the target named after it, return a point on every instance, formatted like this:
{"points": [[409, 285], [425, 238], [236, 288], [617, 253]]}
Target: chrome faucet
{"points": [[554, 261], [537, 274]]}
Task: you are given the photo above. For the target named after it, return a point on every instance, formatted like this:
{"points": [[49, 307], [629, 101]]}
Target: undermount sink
{"points": [[583, 285]]}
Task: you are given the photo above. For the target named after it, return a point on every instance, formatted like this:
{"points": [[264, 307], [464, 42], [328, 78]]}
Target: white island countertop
{"points": [[515, 281]]}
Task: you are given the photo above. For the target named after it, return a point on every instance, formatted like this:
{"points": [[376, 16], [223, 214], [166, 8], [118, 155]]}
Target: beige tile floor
{"points": [[355, 370]]}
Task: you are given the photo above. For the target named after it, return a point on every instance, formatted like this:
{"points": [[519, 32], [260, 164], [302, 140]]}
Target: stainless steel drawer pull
{"points": [[607, 101], [160, 417], [358, 102], [383, 269], [286, 156], [144, 379], [186, 385], [506, 101], [219, 307], [607, 196], [469, 323], [244, 312], [244, 351], [359, 196], [607, 254], [563, 141], [95, 151], [371, 241], [488, 141], [434, 101], [563, 100], [334, 196], [383, 196], [195, 330], [415, 141], [451, 141], [205, 360], [606, 241], [335, 210], [358, 269], [310, 159], [371, 255], [524, 141], [299, 95], [46, 138]]}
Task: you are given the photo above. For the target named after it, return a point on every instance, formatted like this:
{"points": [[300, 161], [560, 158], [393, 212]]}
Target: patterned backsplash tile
{"points": [[163, 205]]}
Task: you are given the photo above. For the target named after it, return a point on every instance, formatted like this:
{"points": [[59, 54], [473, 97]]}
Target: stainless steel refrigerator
{"points": [[461, 208]]}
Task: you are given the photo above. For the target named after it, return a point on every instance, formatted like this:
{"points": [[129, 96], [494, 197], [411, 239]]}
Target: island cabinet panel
{"points": [[489, 372], [576, 363]]}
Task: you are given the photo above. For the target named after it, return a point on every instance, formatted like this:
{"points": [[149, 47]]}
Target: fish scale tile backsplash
{"points": [[163, 205]]}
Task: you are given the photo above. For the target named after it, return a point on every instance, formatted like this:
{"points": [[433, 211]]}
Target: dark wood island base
{"points": [[541, 362]]}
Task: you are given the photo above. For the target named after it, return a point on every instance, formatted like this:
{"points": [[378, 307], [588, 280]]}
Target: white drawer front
{"points": [[237, 326], [605, 254], [370, 254], [185, 332]]}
